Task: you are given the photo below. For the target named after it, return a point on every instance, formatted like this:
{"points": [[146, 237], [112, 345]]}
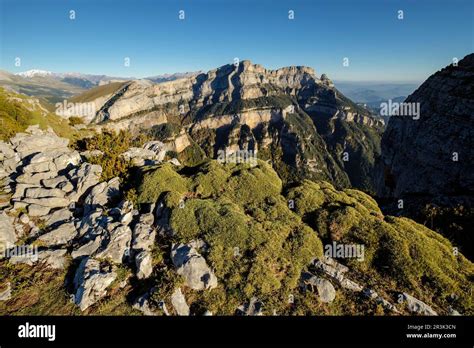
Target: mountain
{"points": [[171, 77], [428, 161], [117, 224], [34, 72], [375, 92], [51, 87], [293, 118], [40, 84]]}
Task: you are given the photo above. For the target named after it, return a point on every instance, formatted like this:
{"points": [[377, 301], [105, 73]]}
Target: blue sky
{"points": [[380, 47]]}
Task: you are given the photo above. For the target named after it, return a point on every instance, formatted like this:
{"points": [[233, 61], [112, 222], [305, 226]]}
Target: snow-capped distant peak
{"points": [[34, 72]]}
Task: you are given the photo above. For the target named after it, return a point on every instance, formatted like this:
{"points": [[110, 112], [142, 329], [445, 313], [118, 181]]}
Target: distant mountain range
{"points": [[52, 87], [374, 93]]}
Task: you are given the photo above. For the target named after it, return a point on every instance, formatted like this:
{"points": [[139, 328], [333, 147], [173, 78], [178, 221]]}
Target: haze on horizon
{"points": [[379, 46]]}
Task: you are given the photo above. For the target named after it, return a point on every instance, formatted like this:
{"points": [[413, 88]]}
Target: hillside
{"points": [[217, 238], [17, 112]]}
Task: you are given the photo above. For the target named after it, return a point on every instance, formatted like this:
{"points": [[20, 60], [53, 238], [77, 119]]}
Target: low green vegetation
{"points": [[112, 145], [262, 236], [400, 255], [17, 112], [257, 245]]}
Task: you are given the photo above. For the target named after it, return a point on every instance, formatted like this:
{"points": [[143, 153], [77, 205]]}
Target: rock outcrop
{"points": [[426, 161], [432, 156], [193, 267]]}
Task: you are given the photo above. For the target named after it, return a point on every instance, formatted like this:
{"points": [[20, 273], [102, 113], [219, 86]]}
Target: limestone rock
{"points": [[6, 294], [102, 193], [91, 282], [179, 302], [253, 308], [59, 236], [55, 259], [416, 306], [119, 245], [193, 267], [7, 232], [84, 177]]}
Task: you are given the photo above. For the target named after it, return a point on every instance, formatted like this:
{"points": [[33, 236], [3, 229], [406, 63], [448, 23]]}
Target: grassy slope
{"points": [[16, 116], [97, 92], [231, 206]]}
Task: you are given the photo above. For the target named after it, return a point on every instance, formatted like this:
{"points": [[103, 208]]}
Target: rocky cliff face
{"points": [[427, 161], [289, 116], [433, 155]]}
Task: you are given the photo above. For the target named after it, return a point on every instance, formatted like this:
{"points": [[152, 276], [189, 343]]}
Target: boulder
{"points": [[6, 293], [179, 303], [87, 249], [142, 303], [37, 141], [59, 236], [55, 259], [143, 239], [102, 193], [416, 306], [144, 264], [119, 245], [7, 233], [193, 267], [325, 289], [35, 179], [54, 182], [38, 192], [91, 282], [51, 202], [58, 217], [83, 178], [38, 210], [253, 308]]}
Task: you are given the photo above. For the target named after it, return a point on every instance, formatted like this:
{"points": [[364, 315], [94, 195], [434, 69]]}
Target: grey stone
{"points": [[7, 232], [91, 282], [35, 179], [253, 308], [54, 182], [6, 294], [142, 303], [87, 249], [179, 303], [416, 306], [55, 259], [61, 235], [119, 245], [51, 202], [84, 177], [38, 210], [102, 193], [37, 192], [193, 267], [58, 217], [143, 262]]}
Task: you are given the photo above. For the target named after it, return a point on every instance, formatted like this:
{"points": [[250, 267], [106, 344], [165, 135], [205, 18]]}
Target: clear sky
{"points": [[380, 47]]}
